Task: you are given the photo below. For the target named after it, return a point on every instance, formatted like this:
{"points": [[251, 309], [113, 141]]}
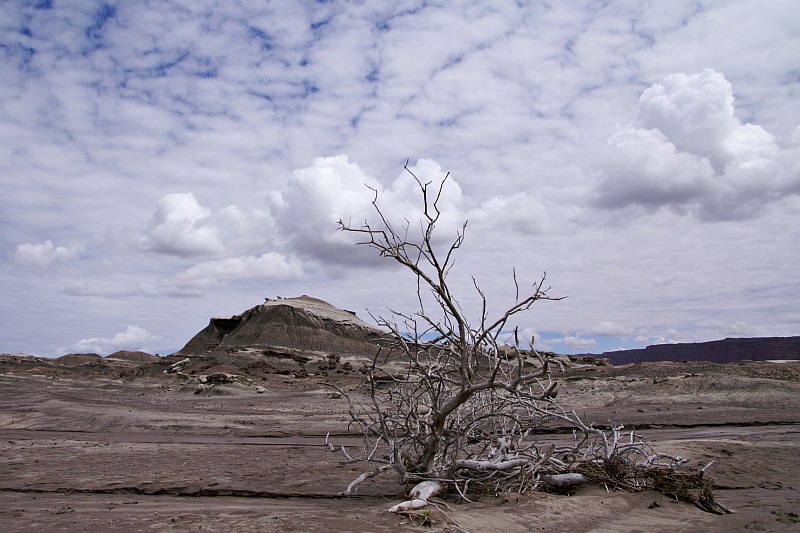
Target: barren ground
{"points": [[104, 449]]}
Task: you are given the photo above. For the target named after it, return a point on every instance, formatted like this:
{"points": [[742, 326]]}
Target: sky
{"points": [[163, 162]]}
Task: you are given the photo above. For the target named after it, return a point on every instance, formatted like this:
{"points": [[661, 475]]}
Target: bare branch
{"points": [[466, 414]]}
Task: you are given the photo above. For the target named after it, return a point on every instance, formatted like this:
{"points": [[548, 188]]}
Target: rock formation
{"points": [[136, 357], [284, 335], [722, 351]]}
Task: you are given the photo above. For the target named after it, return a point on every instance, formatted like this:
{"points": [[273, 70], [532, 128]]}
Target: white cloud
{"points": [[518, 213], [179, 227], [607, 328], [133, 338], [574, 341], [308, 208], [643, 167], [43, 255], [246, 231], [268, 266], [687, 150], [694, 111], [664, 340], [526, 335], [104, 111], [83, 288], [720, 328]]}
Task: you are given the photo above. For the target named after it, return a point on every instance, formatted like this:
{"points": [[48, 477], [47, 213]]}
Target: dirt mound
{"points": [[133, 357], [25, 363], [304, 326], [75, 359], [222, 369], [21, 358]]}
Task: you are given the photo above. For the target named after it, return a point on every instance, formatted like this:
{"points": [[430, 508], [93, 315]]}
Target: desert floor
{"points": [[101, 449]]}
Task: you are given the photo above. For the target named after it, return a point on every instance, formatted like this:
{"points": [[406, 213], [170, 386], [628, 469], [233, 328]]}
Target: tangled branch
{"points": [[468, 411]]}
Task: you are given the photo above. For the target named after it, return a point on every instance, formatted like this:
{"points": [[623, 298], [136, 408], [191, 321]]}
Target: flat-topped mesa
{"points": [[721, 351], [302, 326]]}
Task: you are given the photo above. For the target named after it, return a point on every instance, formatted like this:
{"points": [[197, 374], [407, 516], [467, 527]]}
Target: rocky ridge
{"points": [[721, 351], [291, 336]]}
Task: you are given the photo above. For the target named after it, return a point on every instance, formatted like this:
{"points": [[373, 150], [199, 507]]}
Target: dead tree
{"points": [[465, 414]]}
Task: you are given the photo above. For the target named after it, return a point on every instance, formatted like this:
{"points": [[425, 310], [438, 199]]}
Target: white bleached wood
{"points": [[419, 496]]}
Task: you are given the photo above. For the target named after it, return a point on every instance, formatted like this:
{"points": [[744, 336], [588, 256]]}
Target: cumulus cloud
{"points": [[647, 169], [133, 338], [694, 111], [542, 344], [308, 208], [198, 279], [528, 335], [574, 341], [664, 340], [334, 189], [245, 231], [268, 266], [41, 256], [180, 227], [722, 328], [518, 213], [687, 150], [607, 328], [226, 99]]}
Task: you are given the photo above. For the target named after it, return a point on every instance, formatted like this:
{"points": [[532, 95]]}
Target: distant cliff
{"points": [[724, 351]]}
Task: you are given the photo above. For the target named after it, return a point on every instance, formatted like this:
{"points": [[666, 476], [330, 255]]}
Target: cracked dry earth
{"points": [[81, 452]]}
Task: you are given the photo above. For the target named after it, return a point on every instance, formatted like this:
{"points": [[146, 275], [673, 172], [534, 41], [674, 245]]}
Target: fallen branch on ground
{"points": [[419, 496]]}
